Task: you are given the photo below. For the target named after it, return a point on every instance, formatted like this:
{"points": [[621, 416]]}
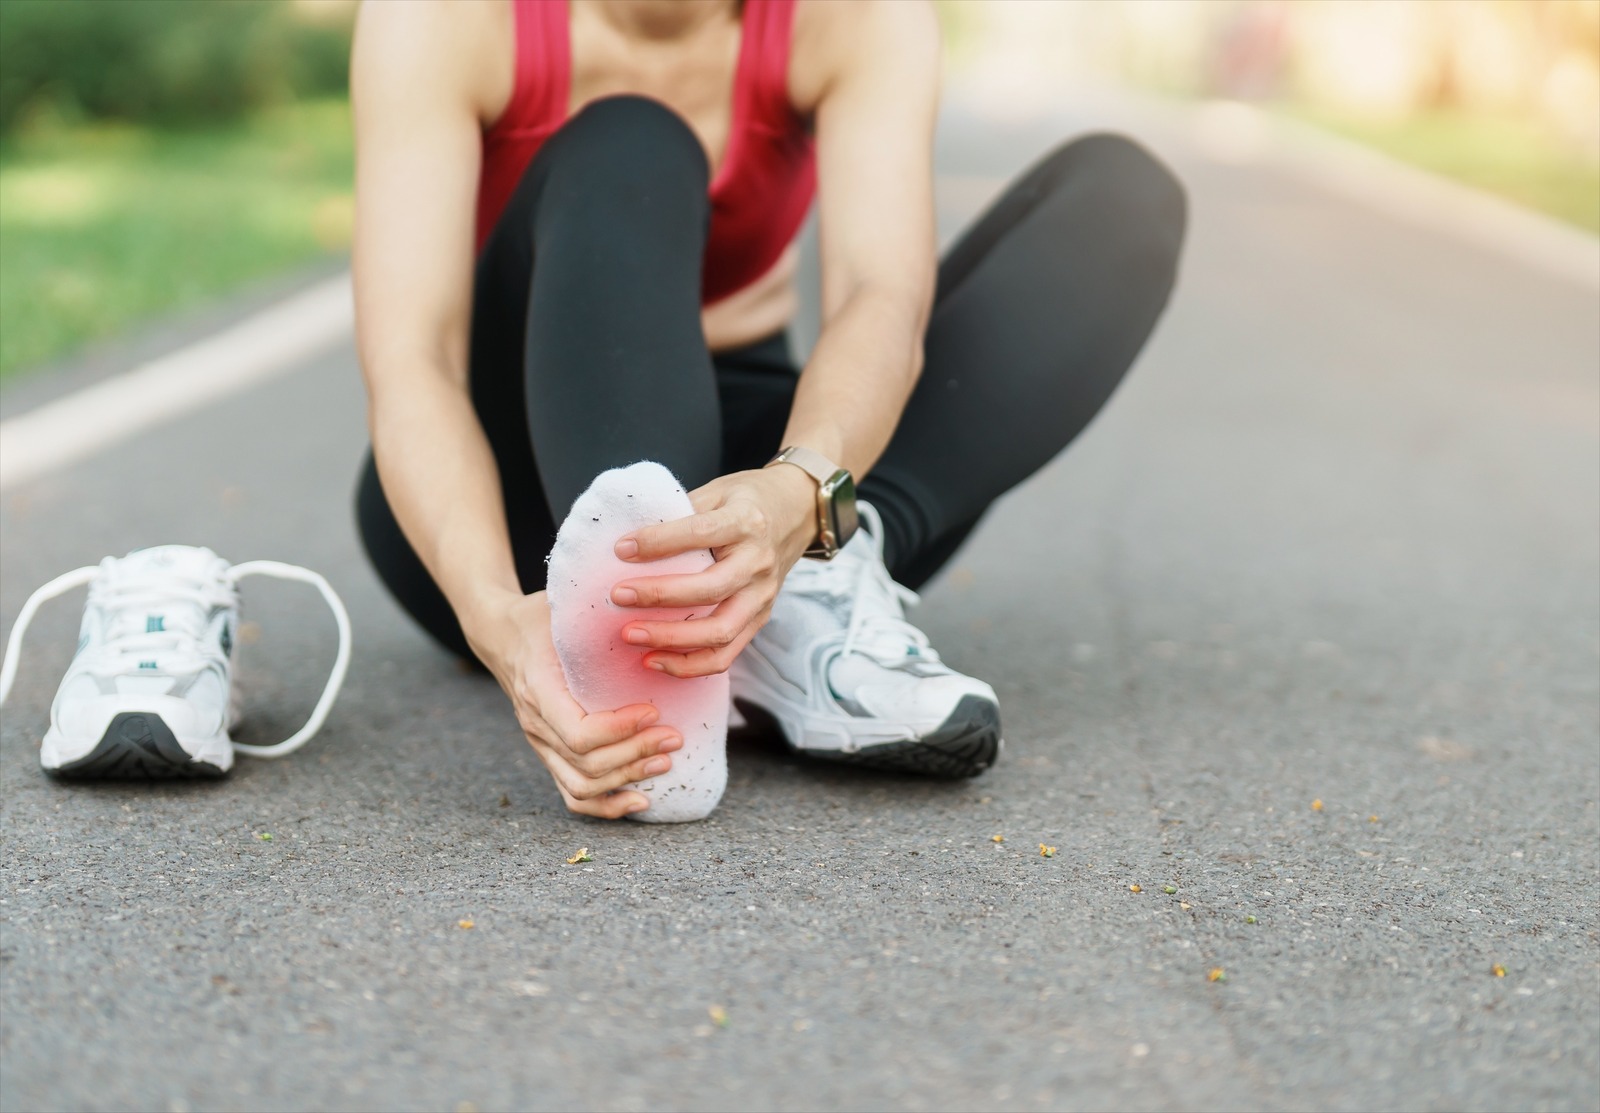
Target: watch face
{"points": [[840, 495]]}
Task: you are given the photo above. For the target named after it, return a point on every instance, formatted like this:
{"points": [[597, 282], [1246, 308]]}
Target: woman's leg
{"points": [[586, 337], [1040, 310]]}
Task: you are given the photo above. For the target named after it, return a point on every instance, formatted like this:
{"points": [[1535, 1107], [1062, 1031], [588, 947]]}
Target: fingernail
{"points": [[657, 765], [647, 718], [638, 806], [624, 596], [635, 636], [657, 665], [627, 548], [669, 745]]}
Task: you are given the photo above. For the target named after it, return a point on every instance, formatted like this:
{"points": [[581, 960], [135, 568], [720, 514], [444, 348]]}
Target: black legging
{"points": [[587, 351]]}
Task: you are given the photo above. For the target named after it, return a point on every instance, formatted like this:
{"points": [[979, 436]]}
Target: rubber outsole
{"points": [[964, 745], [137, 746]]}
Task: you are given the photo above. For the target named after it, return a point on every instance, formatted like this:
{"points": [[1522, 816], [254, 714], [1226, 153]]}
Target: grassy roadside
{"points": [[102, 226], [1502, 156]]}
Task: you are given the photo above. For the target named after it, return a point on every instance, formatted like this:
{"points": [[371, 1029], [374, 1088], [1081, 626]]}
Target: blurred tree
{"points": [[163, 61]]}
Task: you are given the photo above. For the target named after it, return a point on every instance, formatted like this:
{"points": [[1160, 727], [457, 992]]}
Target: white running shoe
{"points": [[148, 694], [846, 677]]}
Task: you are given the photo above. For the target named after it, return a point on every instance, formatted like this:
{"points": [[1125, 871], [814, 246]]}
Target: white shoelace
{"points": [[876, 628], [122, 593]]}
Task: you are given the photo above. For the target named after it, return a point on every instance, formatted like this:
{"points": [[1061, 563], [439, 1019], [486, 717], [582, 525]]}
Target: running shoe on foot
{"points": [[847, 678], [148, 694]]}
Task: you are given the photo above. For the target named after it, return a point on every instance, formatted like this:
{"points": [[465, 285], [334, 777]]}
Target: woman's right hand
{"points": [[590, 756]]}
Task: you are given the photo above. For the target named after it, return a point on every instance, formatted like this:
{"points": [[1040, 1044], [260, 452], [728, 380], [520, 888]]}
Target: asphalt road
{"points": [[1337, 540]]}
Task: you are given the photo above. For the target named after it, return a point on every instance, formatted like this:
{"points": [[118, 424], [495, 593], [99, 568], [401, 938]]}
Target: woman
{"points": [[574, 250]]}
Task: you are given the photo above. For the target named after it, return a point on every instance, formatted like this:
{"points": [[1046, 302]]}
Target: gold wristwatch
{"points": [[836, 499]]}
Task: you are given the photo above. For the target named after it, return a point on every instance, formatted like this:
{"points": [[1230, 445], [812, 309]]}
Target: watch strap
{"points": [[808, 460]]}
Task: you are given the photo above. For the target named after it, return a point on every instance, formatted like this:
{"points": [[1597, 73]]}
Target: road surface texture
{"points": [[1335, 540]]}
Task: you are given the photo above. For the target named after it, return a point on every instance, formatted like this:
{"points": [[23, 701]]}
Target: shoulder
{"points": [[834, 39], [453, 49]]}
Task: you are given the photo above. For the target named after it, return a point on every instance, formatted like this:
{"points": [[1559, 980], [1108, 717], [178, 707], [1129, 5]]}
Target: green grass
{"points": [[1510, 157], [102, 226]]}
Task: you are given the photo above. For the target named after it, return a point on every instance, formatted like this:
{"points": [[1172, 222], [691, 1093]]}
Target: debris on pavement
{"points": [[1135, 888], [1046, 851], [1169, 889], [997, 838], [1316, 805], [465, 925], [581, 856], [719, 1016], [1217, 975], [1497, 970]]}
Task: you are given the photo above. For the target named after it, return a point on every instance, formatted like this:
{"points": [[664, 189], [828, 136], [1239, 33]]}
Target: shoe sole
{"points": [[966, 744], [137, 746]]}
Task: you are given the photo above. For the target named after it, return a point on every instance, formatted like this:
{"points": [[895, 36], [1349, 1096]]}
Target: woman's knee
{"points": [[623, 166], [628, 142], [1131, 189]]}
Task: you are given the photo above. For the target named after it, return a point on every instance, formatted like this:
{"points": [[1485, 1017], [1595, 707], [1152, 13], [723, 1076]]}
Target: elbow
{"points": [[903, 310]]}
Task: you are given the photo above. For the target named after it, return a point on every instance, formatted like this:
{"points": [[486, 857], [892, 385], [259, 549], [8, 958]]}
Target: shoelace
{"points": [[116, 590], [874, 631]]}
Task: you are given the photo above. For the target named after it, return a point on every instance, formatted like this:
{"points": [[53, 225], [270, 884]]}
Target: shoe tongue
{"points": [[188, 559], [161, 590]]}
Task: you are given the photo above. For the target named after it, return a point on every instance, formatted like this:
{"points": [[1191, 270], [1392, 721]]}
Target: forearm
{"points": [[858, 379], [442, 483]]}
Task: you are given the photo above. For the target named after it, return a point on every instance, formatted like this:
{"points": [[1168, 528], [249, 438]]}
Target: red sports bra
{"points": [[760, 195]]}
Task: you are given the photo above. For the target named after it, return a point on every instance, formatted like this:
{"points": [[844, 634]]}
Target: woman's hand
{"points": [[590, 756], [756, 524]]}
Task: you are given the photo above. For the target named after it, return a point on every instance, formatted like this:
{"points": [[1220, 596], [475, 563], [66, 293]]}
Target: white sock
{"points": [[603, 671]]}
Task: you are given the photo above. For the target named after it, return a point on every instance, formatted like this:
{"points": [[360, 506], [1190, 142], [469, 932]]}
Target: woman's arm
{"points": [[874, 126], [875, 120], [415, 74], [417, 158]]}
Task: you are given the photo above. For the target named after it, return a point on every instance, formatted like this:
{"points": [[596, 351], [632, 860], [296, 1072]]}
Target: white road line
{"points": [[97, 417]]}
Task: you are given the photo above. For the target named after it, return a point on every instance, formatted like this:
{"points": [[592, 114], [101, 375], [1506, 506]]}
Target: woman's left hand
{"points": [[756, 524]]}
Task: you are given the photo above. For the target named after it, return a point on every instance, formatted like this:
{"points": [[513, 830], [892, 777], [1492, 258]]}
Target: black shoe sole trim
{"points": [[964, 745], [137, 746]]}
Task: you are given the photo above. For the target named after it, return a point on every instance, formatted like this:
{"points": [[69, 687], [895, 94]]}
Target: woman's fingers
{"points": [[578, 785], [588, 733], [657, 741], [707, 662], [693, 589], [720, 628], [612, 806], [725, 525]]}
